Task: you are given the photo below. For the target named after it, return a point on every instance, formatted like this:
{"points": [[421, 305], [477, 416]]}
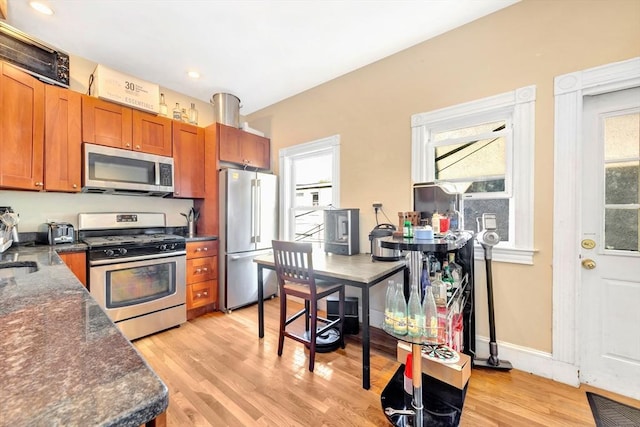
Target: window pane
{"points": [[621, 183], [474, 208], [622, 137], [621, 229], [309, 226], [484, 158], [470, 131]]}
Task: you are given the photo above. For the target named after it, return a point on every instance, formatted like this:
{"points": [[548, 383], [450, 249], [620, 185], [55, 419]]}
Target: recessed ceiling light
{"points": [[194, 74], [41, 7]]}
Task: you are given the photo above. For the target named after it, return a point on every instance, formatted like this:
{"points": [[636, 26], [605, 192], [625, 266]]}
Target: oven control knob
{"points": [[122, 251], [163, 247], [109, 252]]}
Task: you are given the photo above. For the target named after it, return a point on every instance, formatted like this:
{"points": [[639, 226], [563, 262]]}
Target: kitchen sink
{"points": [[17, 268]]}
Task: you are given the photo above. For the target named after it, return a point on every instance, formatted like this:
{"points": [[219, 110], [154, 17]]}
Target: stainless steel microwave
{"points": [[110, 170]]}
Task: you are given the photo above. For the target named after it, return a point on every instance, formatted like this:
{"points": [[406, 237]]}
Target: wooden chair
{"points": [[294, 268]]}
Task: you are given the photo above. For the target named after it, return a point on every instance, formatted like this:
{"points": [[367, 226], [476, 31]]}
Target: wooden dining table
{"points": [[359, 271]]}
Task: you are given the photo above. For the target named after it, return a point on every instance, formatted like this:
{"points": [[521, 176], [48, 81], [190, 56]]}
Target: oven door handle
{"points": [[136, 258]]}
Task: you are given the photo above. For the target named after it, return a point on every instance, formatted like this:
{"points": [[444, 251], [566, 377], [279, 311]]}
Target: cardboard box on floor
{"points": [[455, 374]]}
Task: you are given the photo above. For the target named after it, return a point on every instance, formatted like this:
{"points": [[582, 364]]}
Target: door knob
{"points": [[589, 264]]}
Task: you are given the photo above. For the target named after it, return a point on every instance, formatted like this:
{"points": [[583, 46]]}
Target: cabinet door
{"points": [[62, 139], [105, 123], [255, 150], [188, 161], [151, 134], [21, 129], [229, 144], [77, 263]]}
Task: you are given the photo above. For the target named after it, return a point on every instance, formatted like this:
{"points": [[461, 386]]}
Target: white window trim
{"points": [[287, 155], [570, 89], [520, 104]]}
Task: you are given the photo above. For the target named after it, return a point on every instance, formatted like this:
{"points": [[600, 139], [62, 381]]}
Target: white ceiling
{"points": [[262, 51]]}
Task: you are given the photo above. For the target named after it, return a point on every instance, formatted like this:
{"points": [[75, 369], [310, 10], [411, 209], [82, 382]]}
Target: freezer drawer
{"points": [[240, 284]]}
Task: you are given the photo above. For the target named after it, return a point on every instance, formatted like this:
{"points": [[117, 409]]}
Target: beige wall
{"points": [[528, 43]]}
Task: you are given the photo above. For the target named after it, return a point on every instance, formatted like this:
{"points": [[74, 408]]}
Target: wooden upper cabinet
{"points": [[151, 134], [188, 160], [229, 144], [21, 129], [62, 139], [255, 150], [105, 123], [237, 146]]}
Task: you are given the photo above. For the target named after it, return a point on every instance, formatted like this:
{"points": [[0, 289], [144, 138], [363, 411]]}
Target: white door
{"points": [[610, 290]]}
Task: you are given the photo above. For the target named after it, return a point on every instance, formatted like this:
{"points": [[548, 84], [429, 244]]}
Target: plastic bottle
{"points": [[389, 306], [400, 311], [435, 223], [407, 228], [415, 321]]}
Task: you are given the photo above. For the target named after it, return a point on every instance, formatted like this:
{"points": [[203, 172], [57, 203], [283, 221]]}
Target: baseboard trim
{"points": [[529, 360]]}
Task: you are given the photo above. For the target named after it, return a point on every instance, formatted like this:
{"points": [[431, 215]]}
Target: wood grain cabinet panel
{"points": [[203, 293], [202, 277], [77, 263], [201, 269], [106, 123], [255, 150], [151, 134], [188, 161], [229, 144], [62, 139], [238, 146], [21, 130]]}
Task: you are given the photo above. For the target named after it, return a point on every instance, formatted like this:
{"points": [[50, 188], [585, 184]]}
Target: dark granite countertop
{"points": [[200, 238], [62, 361]]}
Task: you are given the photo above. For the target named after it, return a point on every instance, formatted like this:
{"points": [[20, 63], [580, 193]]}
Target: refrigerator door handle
{"points": [[253, 211], [258, 208], [250, 255]]}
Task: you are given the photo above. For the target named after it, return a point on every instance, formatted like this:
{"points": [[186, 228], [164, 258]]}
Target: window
{"points": [[309, 179], [484, 149]]}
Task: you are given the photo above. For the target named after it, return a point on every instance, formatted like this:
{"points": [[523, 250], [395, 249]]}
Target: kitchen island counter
{"points": [[62, 361]]}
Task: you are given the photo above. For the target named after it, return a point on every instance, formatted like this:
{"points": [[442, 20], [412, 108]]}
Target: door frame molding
{"points": [[569, 91]]}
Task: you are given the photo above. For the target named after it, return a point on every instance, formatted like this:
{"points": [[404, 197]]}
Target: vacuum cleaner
{"points": [[488, 238]]}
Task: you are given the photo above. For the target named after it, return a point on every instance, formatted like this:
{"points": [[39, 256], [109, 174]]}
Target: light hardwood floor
{"points": [[220, 374]]}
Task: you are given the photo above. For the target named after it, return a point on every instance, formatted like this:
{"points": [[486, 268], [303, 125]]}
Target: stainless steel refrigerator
{"points": [[248, 224]]}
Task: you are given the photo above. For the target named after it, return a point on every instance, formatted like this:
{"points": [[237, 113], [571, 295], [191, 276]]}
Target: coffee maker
{"points": [[342, 231]]}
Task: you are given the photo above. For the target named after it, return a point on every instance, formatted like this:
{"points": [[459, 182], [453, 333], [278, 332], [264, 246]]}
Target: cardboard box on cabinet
{"points": [[455, 374]]}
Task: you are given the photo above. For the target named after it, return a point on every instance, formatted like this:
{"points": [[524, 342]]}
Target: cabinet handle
{"points": [[198, 271], [206, 249], [75, 185], [39, 184], [205, 269], [198, 295], [198, 249], [127, 145], [205, 293], [137, 147]]}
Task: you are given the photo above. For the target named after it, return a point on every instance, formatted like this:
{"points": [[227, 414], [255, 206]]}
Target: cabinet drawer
{"points": [[202, 293], [202, 249], [201, 269]]}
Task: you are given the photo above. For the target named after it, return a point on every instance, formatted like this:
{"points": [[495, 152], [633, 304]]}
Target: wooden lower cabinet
{"points": [[77, 263], [202, 277]]}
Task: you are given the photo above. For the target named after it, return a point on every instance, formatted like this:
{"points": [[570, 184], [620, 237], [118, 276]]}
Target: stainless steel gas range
{"points": [[136, 270]]}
